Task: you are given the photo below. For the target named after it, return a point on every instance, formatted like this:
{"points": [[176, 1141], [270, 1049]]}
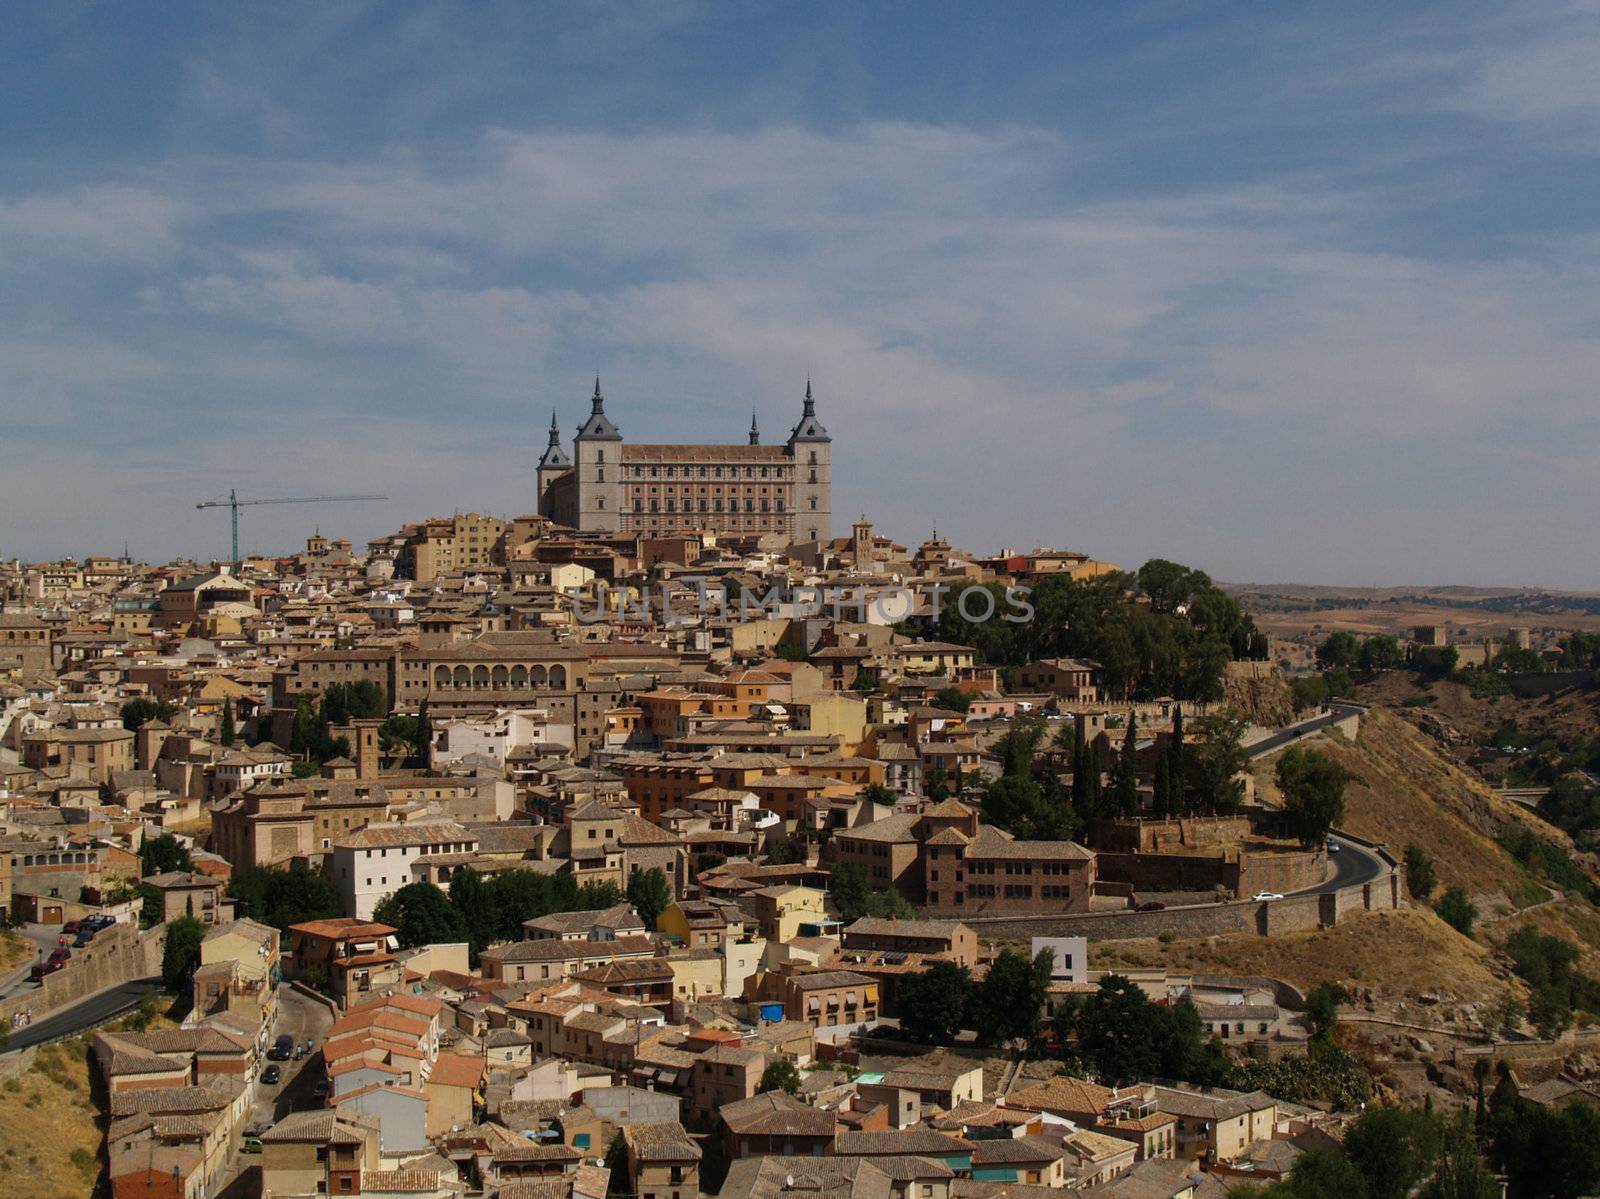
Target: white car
{"points": [[1265, 896]]}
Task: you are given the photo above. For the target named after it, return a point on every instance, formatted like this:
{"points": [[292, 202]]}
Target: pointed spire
{"points": [[597, 401], [811, 405], [755, 433], [555, 429]]}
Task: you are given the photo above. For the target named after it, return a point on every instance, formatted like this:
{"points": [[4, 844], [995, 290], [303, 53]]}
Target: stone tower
{"points": [[552, 465], [597, 455], [812, 450]]}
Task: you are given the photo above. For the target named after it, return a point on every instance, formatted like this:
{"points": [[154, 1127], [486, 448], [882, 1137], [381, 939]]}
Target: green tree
{"points": [[1340, 650], [470, 896], [1379, 652], [281, 897], [1461, 1172], [422, 748], [136, 713], [1126, 786], [181, 952], [952, 699], [421, 914], [1323, 1174], [226, 733], [780, 1075], [1545, 1151], [650, 894], [617, 1167], [1313, 792], [1322, 1008], [1010, 1002], [1421, 877], [785, 850], [162, 854], [1177, 765], [1456, 910], [1393, 1148], [1219, 761], [1308, 691], [933, 1003], [1116, 1033], [1161, 790]]}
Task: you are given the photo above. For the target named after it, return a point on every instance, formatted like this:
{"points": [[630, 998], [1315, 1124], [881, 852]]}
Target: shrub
{"points": [[1456, 910]]}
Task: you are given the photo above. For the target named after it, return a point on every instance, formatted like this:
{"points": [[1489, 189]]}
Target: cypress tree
{"points": [[1175, 769], [1127, 778], [1161, 803]]}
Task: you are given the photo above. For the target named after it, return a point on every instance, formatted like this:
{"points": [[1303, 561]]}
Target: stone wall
{"points": [[1296, 913], [117, 955]]}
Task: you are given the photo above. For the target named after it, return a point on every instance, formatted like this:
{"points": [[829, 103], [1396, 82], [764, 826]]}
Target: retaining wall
{"points": [[118, 954], [1296, 913]]}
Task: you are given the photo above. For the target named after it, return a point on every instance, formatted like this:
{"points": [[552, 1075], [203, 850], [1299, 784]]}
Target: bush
{"points": [[1456, 910], [1420, 875]]}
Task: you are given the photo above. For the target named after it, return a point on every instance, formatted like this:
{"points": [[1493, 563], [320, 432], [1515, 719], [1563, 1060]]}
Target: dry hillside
{"points": [[1394, 956], [50, 1138], [1413, 792]]}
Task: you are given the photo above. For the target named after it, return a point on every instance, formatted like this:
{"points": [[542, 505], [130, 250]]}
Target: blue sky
{"points": [[1286, 294]]}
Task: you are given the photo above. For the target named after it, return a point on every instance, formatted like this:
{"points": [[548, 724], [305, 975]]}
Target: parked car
{"points": [[250, 1145], [98, 922], [271, 1075], [40, 969], [1265, 896], [71, 926], [282, 1049], [1333, 846], [82, 939], [60, 954]]}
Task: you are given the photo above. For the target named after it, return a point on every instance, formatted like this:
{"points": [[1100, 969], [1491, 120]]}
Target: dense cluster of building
{"points": [[580, 693]]}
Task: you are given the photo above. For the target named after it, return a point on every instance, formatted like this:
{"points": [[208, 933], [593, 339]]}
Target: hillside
{"points": [[1413, 792], [51, 1135], [1394, 957]]}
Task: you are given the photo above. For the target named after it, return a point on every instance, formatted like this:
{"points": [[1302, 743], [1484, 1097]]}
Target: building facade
{"points": [[610, 486]]}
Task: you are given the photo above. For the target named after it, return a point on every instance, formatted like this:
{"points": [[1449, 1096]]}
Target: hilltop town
{"points": [[660, 843]]}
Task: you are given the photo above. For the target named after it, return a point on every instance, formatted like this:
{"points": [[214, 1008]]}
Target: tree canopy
{"points": [[421, 914], [1164, 630], [181, 952], [650, 894], [281, 897], [1313, 786], [934, 1003], [159, 855], [1010, 1003]]}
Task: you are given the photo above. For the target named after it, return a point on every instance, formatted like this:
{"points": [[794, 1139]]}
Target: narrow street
{"points": [[303, 1019]]}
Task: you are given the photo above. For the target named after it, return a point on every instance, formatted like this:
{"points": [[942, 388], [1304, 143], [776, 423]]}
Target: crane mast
{"points": [[233, 503]]}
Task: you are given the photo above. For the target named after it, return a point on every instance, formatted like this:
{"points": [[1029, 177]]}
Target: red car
{"points": [[40, 969], [71, 926], [60, 955]]}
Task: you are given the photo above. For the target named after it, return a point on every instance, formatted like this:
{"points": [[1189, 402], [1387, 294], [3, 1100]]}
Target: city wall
{"points": [[117, 955], [1296, 913]]}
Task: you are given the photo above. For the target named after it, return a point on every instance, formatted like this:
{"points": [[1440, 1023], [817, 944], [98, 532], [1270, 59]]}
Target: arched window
{"points": [[558, 678], [480, 677], [519, 676], [463, 677], [441, 676], [536, 677], [501, 677]]}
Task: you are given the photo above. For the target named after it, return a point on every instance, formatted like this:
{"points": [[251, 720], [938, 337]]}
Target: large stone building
{"points": [[610, 486]]}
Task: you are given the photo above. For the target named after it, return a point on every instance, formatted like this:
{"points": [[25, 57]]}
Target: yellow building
{"points": [[782, 910]]}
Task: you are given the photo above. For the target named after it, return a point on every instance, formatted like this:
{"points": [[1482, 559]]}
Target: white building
{"points": [[494, 736], [375, 861]]}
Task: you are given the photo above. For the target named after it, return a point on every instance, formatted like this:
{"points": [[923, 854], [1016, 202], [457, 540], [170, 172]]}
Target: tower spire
{"points": [[555, 429], [755, 433], [597, 401]]}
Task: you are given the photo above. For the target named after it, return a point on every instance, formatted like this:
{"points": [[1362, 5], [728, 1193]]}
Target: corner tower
{"points": [[812, 450], [597, 455], [552, 465]]}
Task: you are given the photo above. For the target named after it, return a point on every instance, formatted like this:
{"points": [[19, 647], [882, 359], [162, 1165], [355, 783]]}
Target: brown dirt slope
{"points": [[50, 1138], [1395, 955], [1411, 791]]}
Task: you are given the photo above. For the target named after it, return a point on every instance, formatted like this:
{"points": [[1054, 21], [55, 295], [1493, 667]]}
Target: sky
{"points": [[1282, 292]]}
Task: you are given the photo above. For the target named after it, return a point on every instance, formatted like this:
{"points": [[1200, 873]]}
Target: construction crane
{"points": [[235, 503]]}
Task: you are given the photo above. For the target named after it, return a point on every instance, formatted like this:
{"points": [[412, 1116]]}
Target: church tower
{"points": [[552, 466], [597, 451], [812, 451]]}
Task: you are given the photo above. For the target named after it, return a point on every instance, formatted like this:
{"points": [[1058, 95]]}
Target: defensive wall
{"points": [[1295, 913]]}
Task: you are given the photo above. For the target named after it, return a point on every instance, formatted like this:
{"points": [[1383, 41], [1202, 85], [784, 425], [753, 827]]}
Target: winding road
{"points": [[85, 1014]]}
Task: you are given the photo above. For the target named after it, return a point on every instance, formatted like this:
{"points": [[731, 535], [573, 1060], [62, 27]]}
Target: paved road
{"points": [[1352, 865], [1305, 728], [85, 1014]]}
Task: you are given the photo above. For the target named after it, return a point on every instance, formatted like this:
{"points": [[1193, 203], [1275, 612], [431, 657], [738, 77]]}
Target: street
{"points": [[303, 1019]]}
